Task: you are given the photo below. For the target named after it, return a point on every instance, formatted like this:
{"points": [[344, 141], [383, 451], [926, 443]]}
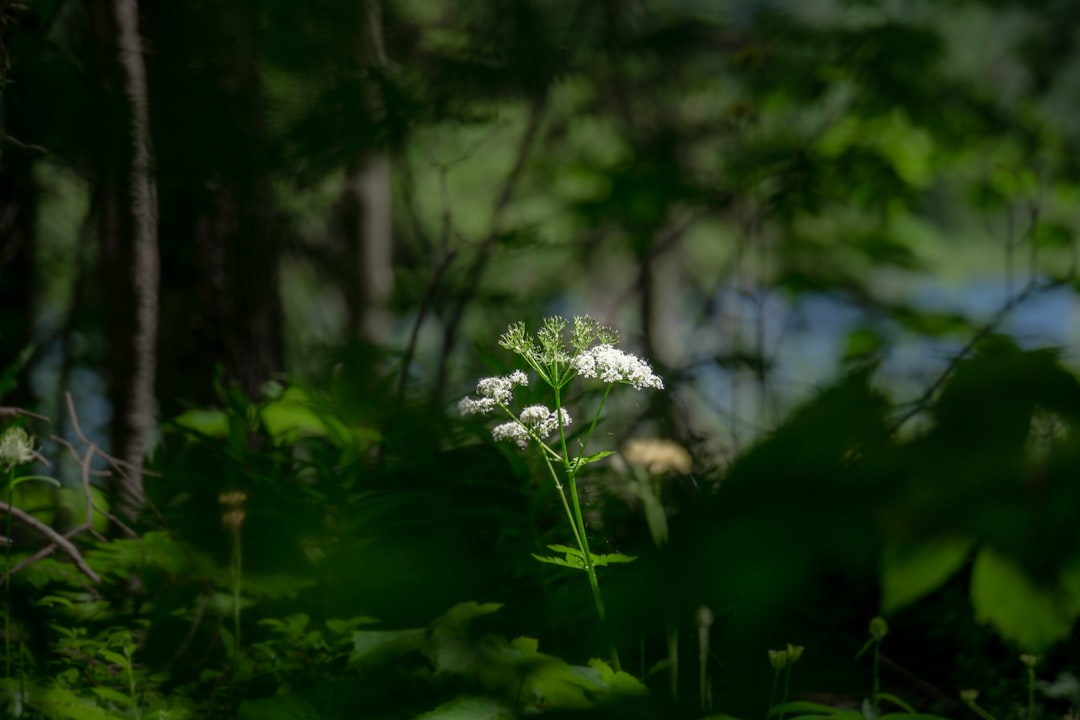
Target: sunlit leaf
{"points": [[909, 572], [1032, 617]]}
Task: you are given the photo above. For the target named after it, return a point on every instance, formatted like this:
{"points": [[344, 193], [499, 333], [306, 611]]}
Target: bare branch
{"points": [[57, 539]]}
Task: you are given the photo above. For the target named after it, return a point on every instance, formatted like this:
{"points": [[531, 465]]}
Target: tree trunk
{"points": [[364, 211], [144, 273], [220, 304], [18, 227]]}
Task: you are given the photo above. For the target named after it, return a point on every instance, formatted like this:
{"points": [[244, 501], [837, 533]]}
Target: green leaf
{"points": [[374, 646], [568, 550], [291, 416], [612, 558], [597, 456], [114, 658], [470, 708], [575, 563], [910, 572], [912, 716], [109, 694], [213, 423], [1032, 617], [890, 698], [345, 626], [621, 684]]}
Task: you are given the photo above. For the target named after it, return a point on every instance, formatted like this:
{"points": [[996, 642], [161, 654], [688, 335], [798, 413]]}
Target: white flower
{"points": [[612, 365], [499, 388], [474, 406], [511, 431], [533, 420], [543, 421], [16, 447], [493, 392]]}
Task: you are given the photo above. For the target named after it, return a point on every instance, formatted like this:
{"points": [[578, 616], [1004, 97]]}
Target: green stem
{"points": [[131, 683], [772, 692], [7, 576], [237, 568], [876, 689], [596, 419], [787, 686], [1031, 693], [578, 519], [980, 712], [566, 504], [673, 659]]}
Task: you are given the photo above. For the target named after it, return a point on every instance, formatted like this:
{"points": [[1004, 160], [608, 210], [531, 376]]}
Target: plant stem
{"points": [[772, 692], [566, 504], [876, 689], [237, 566], [578, 520], [673, 659], [7, 578], [1031, 693], [787, 686]]}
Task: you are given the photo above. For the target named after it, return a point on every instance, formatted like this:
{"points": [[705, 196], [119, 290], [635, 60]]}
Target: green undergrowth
{"points": [[311, 560]]}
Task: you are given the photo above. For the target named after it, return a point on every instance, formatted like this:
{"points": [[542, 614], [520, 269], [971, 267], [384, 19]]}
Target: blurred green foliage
{"points": [[689, 167]]}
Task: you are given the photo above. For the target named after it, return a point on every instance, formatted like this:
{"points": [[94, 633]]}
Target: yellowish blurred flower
{"points": [[658, 456]]}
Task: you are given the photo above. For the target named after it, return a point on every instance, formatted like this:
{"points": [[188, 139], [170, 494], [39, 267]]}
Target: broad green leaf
{"points": [[1032, 617], [291, 416], [912, 716], [213, 423], [470, 708], [890, 698], [64, 704], [620, 684], [374, 646], [566, 549], [109, 694], [114, 658], [910, 572]]}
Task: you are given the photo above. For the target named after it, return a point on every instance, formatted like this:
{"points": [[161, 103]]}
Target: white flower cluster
{"points": [[537, 418], [493, 392], [613, 365], [16, 447]]}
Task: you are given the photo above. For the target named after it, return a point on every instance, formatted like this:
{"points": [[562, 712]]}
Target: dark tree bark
{"points": [[126, 231], [144, 274], [220, 301], [19, 196], [18, 214]]}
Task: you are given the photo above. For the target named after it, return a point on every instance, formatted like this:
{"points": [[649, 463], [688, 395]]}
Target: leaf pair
{"points": [[574, 558]]}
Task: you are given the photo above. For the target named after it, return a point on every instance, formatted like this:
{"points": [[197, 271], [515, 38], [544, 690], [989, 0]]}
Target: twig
{"points": [[509, 188], [56, 538], [25, 146], [992, 324]]}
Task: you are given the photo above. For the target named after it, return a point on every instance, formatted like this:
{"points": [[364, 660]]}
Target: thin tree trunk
{"points": [[145, 269], [365, 207]]}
